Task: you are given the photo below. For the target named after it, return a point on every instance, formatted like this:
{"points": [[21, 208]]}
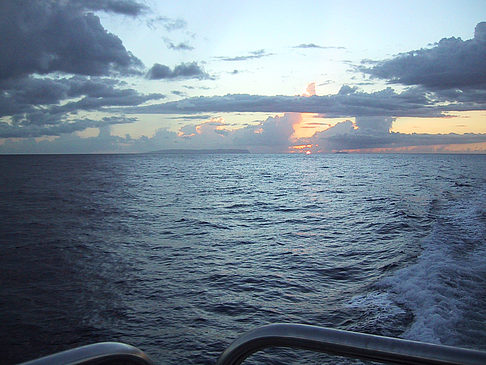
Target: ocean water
{"points": [[181, 254]]}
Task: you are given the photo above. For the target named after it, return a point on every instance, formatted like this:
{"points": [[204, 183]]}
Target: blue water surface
{"points": [[181, 254]]}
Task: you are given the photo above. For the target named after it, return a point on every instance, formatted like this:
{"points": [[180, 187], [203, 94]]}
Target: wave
{"points": [[444, 287]]}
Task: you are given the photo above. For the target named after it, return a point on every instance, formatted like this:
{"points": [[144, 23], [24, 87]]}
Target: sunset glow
{"points": [[454, 122], [307, 148], [312, 123], [302, 147]]}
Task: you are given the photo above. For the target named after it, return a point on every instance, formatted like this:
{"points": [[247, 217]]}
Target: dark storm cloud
{"points": [[43, 94], [183, 71], [253, 55], [34, 104], [23, 94], [52, 36], [41, 41], [125, 7], [451, 63], [462, 100], [348, 102], [127, 98], [15, 131]]}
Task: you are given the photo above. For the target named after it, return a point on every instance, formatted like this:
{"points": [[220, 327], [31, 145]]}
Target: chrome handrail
{"points": [[331, 341], [349, 344], [98, 353]]}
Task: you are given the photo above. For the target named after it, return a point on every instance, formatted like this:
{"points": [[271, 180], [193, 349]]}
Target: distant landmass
{"points": [[205, 152]]}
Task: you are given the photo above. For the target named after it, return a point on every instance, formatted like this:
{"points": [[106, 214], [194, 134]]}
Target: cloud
{"points": [[374, 126], [178, 93], [183, 71], [275, 134], [310, 90], [170, 24], [192, 117], [125, 7], [253, 55], [25, 94], [356, 141], [57, 62], [33, 91], [41, 105], [70, 143], [461, 100], [53, 36], [374, 133], [271, 135], [450, 64], [313, 45], [177, 47], [349, 102], [35, 130], [365, 133], [41, 41]]}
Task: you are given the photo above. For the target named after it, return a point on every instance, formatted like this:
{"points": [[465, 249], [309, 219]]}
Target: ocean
{"points": [[181, 254]]}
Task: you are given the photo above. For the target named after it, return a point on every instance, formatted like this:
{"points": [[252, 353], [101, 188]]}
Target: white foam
{"points": [[440, 287], [371, 300], [381, 311]]}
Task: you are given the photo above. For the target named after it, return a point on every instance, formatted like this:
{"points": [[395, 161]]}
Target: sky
{"points": [[124, 76]]}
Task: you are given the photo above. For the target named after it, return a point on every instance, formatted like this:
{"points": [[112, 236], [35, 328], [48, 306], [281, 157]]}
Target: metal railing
{"points": [[103, 353], [345, 343], [335, 342]]}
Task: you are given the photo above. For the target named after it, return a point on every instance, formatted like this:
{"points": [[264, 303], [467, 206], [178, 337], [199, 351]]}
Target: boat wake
{"points": [[444, 286]]}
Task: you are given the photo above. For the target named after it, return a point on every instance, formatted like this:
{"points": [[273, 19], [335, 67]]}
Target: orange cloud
{"points": [[310, 90]]}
